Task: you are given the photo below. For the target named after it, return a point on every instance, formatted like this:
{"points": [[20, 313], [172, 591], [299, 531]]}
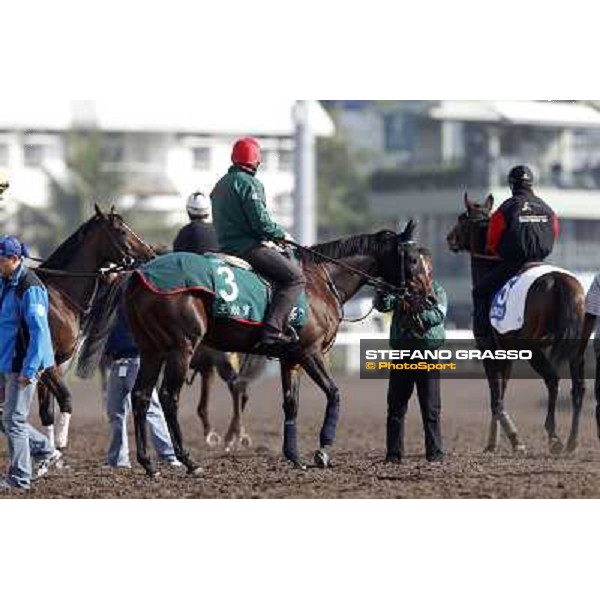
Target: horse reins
{"points": [[376, 282]]}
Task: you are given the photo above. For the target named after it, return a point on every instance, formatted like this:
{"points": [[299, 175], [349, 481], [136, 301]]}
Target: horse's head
{"points": [[115, 241], [468, 235], [401, 262]]}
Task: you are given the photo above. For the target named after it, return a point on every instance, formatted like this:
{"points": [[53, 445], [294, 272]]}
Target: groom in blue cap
{"points": [[25, 352]]}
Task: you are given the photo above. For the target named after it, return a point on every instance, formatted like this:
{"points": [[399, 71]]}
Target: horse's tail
{"points": [[569, 300], [99, 326]]}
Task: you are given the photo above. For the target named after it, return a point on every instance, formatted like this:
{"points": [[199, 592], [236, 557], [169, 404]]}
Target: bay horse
{"points": [[208, 362], [168, 328], [72, 276], [553, 321]]}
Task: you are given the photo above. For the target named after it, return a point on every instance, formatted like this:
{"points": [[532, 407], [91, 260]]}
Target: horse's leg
{"points": [[498, 375], [235, 432], [145, 382], [63, 421], [290, 382], [577, 368], [46, 411], [495, 385], [548, 373], [176, 367], [242, 390], [53, 387], [207, 376], [317, 370]]}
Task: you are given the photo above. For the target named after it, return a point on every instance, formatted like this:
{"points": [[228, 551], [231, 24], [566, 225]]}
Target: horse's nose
{"points": [[452, 241]]}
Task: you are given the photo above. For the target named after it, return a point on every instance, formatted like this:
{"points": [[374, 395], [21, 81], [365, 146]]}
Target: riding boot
{"points": [[274, 342]]}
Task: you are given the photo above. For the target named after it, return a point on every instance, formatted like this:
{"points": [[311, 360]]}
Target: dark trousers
{"points": [[483, 294], [287, 279], [401, 386]]}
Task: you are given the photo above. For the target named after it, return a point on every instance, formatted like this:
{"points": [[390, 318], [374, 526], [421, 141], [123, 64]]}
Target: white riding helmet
{"points": [[198, 205]]}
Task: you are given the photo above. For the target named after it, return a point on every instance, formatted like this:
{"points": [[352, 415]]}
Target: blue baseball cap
{"points": [[11, 246]]}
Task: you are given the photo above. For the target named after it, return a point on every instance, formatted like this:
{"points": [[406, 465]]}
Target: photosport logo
{"points": [[460, 359]]}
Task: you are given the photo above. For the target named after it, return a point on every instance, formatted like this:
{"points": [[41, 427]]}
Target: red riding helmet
{"points": [[246, 152]]}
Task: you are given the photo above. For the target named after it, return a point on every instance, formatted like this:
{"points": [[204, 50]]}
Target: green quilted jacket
{"points": [[240, 215]]}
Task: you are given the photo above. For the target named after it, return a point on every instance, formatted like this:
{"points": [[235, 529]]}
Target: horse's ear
{"points": [[468, 203], [408, 233], [489, 202], [98, 211]]}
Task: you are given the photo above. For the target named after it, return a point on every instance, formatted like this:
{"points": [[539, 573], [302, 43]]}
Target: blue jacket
{"points": [[25, 342], [121, 344]]}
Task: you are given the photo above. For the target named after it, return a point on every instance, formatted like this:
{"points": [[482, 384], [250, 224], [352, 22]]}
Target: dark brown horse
{"points": [[73, 275], [167, 329], [552, 325]]}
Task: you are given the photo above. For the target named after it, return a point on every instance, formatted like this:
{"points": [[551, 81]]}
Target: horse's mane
{"points": [[364, 243], [64, 253]]}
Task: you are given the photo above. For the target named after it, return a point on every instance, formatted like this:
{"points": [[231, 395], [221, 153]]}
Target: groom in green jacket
{"points": [[403, 382]]}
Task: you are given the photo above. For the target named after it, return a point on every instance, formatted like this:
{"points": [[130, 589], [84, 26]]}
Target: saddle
{"points": [[230, 259]]}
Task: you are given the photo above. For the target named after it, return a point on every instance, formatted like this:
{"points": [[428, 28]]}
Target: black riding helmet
{"points": [[520, 177]]}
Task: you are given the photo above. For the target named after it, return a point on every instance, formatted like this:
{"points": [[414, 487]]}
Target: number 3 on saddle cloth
{"points": [[508, 306], [240, 294]]}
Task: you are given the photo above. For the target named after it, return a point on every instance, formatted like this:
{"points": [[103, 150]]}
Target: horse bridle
{"points": [[126, 260]]}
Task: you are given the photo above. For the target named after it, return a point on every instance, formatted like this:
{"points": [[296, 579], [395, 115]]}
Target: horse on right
{"points": [[552, 329]]}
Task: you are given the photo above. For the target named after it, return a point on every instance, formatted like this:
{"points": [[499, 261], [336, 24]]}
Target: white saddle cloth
{"points": [[508, 307]]}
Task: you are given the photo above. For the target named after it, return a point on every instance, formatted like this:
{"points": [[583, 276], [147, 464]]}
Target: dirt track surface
{"points": [[358, 470]]}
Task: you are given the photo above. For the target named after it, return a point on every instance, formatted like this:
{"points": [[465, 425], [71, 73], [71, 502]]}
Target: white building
{"points": [[164, 150]]}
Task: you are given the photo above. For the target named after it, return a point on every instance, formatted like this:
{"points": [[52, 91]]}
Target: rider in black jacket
{"points": [[522, 230], [198, 235]]}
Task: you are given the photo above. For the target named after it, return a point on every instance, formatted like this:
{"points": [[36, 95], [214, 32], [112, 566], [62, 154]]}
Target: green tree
{"points": [[342, 189]]}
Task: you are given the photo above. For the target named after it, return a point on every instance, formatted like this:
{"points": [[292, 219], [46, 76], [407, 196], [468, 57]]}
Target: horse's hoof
{"points": [[519, 450], [245, 441], [321, 459], [571, 447], [195, 471], [213, 439], [556, 447], [490, 449], [153, 473]]}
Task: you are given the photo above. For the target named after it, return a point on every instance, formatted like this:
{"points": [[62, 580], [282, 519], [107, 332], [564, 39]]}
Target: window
{"points": [[112, 148], [34, 155], [3, 155], [400, 132], [201, 157]]}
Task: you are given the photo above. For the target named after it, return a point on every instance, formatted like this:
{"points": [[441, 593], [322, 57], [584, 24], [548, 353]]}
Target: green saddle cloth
{"points": [[239, 294]]}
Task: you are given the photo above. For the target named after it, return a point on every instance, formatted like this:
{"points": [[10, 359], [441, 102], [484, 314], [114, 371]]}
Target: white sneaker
{"points": [[41, 467]]}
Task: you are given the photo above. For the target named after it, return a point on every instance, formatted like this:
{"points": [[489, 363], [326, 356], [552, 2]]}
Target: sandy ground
{"points": [[358, 470]]}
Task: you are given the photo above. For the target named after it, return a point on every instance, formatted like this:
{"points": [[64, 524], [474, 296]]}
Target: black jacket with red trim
{"points": [[523, 229]]}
